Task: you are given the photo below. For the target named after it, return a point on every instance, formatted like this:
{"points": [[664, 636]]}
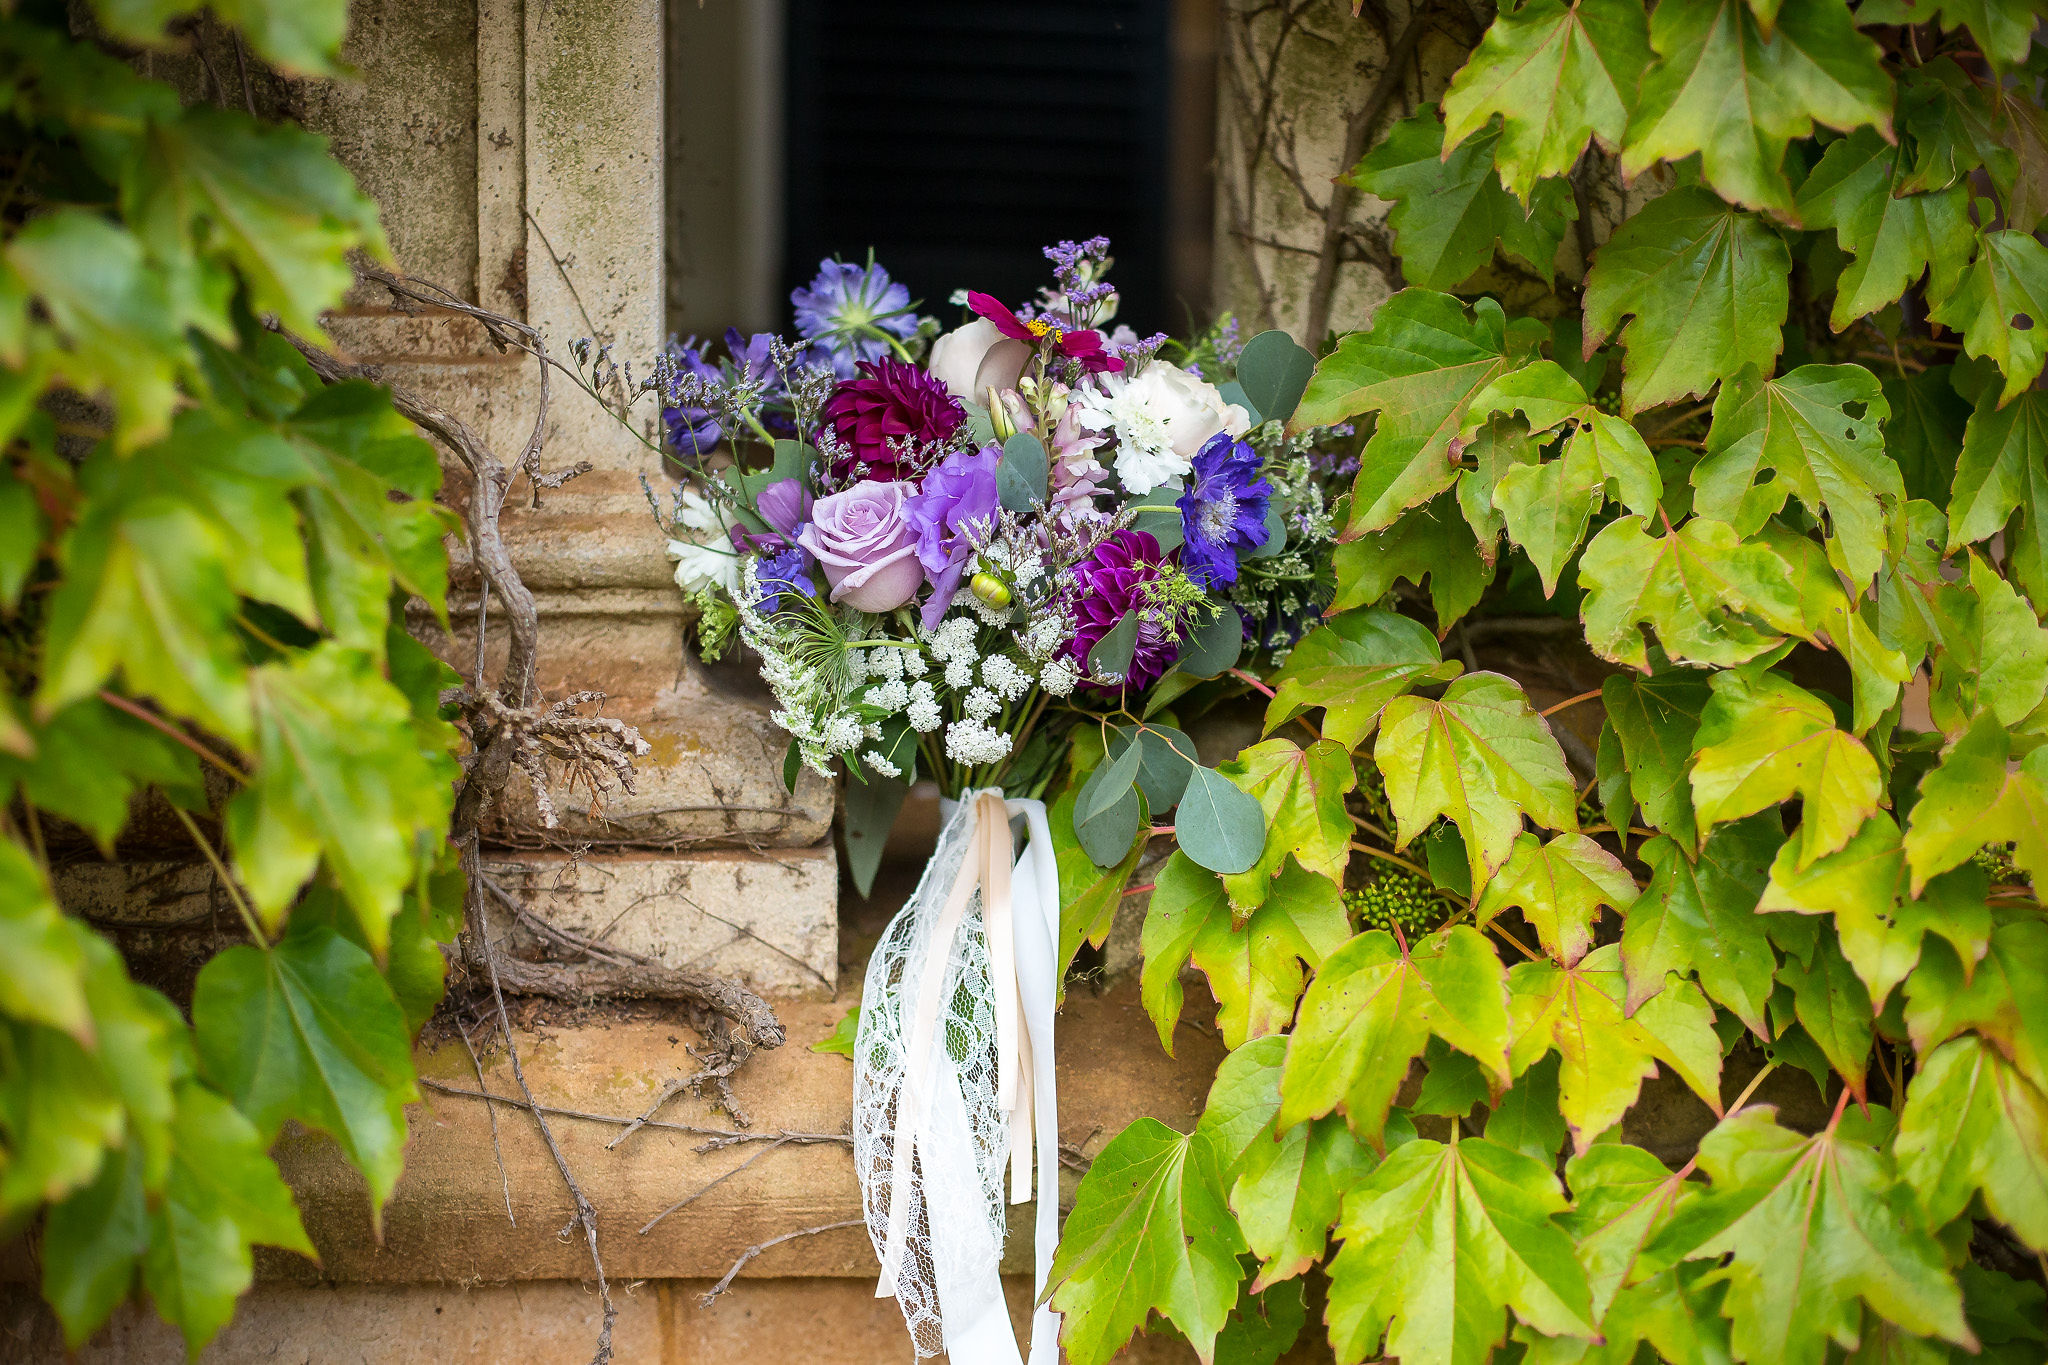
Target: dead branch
{"points": [[703, 1190], [710, 1296], [716, 1139]]}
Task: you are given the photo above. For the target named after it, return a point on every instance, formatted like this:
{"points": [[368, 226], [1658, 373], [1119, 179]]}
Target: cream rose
{"points": [[973, 359]]}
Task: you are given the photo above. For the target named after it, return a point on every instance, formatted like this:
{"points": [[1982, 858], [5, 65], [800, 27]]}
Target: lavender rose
{"points": [[866, 545]]}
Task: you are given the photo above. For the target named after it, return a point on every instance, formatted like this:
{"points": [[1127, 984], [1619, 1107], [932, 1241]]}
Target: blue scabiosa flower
{"points": [[852, 313], [1223, 511]]}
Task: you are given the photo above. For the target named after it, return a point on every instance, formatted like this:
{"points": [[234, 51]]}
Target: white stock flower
{"points": [[697, 514], [705, 566]]}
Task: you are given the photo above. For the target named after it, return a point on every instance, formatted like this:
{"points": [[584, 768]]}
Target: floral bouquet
{"points": [[1004, 556]]}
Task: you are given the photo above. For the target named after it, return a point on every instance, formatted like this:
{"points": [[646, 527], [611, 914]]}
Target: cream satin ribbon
{"points": [[1020, 923]]}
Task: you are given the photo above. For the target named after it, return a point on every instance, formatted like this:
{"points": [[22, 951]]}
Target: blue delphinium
{"points": [[783, 573], [1223, 511], [852, 313]]}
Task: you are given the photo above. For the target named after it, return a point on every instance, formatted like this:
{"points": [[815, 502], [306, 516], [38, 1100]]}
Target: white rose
{"points": [[1192, 409], [971, 360]]}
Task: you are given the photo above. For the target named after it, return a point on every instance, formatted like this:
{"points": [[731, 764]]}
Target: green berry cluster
{"points": [[1396, 898], [1996, 860]]}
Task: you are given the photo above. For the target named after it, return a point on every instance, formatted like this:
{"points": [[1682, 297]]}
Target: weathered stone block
{"points": [[771, 920]]}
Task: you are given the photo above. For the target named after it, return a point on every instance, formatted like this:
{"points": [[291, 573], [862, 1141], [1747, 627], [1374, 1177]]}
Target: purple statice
{"points": [[784, 572], [890, 408], [852, 313], [1118, 577], [1079, 289], [692, 426], [954, 512], [1223, 511]]}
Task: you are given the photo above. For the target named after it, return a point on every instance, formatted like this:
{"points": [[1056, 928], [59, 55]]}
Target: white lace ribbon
{"points": [[954, 1082]]}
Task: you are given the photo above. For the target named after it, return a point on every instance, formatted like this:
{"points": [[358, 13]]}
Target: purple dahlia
{"points": [[887, 402], [1223, 511], [1118, 578]]}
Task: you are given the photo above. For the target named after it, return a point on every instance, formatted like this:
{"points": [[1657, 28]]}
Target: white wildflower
{"points": [[1059, 676], [891, 696], [878, 764], [923, 715], [1003, 677], [884, 663], [972, 743], [697, 513], [980, 704], [871, 730], [913, 662], [1045, 635], [842, 734], [856, 665], [960, 674]]}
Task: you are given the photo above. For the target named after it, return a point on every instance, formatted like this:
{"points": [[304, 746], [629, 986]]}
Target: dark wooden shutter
{"points": [[956, 139]]}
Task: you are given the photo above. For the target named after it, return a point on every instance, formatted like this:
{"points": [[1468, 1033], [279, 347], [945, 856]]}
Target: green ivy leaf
{"points": [[1737, 91], [1439, 1242], [341, 776], [2003, 29], [1352, 666], [2001, 308], [1559, 887], [1479, 755], [1700, 587], [1707, 285], [80, 304], [1606, 1054], [1623, 1197], [1255, 971], [1816, 431], [1973, 799], [2003, 471], [1858, 189], [2005, 998], [1994, 652], [92, 1244], [1150, 1231], [1811, 1225], [1833, 1006], [1655, 718], [223, 1195], [1924, 432], [301, 38], [1547, 505], [1763, 740], [1302, 794], [1291, 1191], [42, 962], [1417, 366], [1371, 1008], [309, 1031], [1450, 209], [1828, 615], [1432, 543], [1863, 886], [1557, 75], [1972, 1125], [90, 759]]}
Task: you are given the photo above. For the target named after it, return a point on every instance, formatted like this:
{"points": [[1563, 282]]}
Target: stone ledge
{"points": [[447, 1223], [771, 920]]}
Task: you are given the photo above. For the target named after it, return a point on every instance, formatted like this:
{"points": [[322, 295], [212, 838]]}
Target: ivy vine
{"points": [[1780, 458]]}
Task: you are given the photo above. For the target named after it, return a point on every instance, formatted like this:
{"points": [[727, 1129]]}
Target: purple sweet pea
{"points": [[785, 505], [953, 514], [866, 546], [1223, 511]]}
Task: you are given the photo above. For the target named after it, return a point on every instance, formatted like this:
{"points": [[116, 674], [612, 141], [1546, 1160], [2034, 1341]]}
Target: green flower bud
{"points": [[990, 589]]}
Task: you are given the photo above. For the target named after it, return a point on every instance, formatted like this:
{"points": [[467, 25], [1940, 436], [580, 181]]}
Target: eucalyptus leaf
{"points": [[1111, 655], [1219, 826], [1165, 761], [1212, 648], [1273, 372], [1107, 785], [1107, 838], [1022, 472]]}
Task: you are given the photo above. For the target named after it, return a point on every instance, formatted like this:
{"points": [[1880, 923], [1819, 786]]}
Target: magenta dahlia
{"points": [[885, 403], [1115, 579]]}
